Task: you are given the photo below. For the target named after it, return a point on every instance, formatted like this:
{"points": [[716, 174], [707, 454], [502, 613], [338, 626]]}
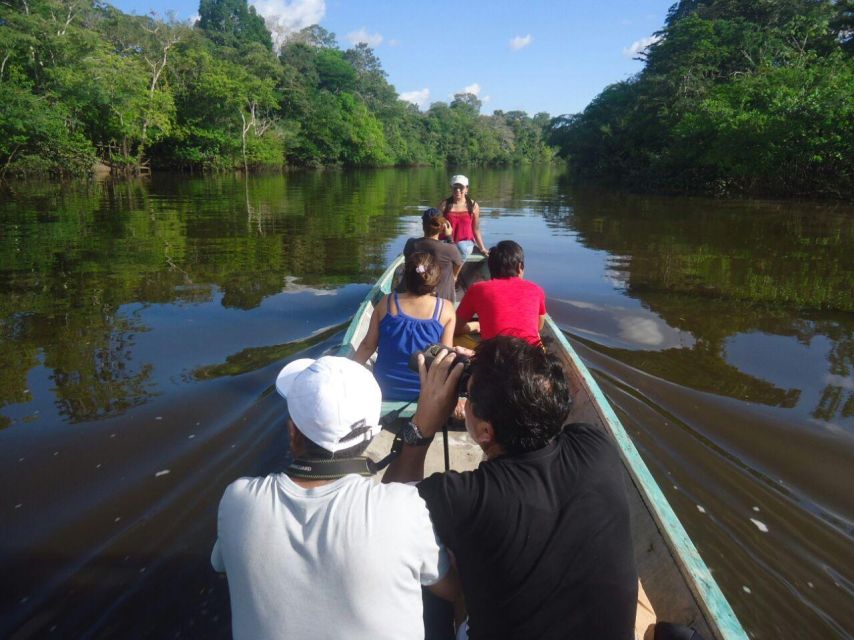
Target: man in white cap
{"points": [[321, 551]]}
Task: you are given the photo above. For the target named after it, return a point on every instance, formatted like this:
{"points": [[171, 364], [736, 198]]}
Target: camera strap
{"points": [[307, 469]]}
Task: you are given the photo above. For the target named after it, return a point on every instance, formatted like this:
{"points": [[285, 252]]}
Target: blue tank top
{"points": [[401, 336]]}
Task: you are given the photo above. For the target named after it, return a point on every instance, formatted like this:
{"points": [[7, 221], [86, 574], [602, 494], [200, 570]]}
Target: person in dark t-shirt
{"points": [[447, 255], [540, 530]]}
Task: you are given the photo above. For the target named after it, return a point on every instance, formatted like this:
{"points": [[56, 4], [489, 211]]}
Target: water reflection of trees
{"points": [[718, 269], [72, 256]]}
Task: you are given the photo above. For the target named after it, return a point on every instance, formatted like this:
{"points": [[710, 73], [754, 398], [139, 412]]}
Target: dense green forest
{"points": [[736, 97], [81, 83]]}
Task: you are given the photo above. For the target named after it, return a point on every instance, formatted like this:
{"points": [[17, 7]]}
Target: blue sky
{"points": [[533, 56]]}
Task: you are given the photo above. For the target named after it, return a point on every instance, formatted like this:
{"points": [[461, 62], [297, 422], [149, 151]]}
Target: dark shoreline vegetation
{"points": [[84, 84], [737, 97]]}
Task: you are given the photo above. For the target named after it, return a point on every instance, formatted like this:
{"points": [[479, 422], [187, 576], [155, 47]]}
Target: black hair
{"points": [[312, 451], [521, 390], [505, 258], [426, 280], [448, 202]]}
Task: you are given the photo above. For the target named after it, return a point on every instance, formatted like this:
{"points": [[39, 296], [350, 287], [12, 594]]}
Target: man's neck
{"points": [[309, 484]]}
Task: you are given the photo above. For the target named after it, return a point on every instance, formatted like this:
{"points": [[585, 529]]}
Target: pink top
{"points": [[461, 224], [507, 306]]}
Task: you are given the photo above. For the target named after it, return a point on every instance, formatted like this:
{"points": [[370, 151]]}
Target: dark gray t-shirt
{"points": [[446, 254]]}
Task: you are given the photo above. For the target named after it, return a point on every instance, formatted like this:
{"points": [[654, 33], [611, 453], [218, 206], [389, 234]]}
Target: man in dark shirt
{"points": [[540, 530], [447, 255]]}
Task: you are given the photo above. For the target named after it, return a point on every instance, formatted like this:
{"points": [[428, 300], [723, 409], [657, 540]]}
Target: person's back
{"points": [[320, 551], [309, 563], [507, 304], [542, 540], [402, 334], [448, 258], [403, 323]]}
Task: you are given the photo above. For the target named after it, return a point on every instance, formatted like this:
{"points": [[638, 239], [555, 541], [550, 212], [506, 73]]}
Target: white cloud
{"points": [[520, 42], [286, 16], [472, 88], [362, 35], [393, 42], [419, 97], [193, 19], [640, 46]]}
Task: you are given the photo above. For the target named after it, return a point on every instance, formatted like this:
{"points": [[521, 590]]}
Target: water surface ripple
{"points": [[142, 324]]}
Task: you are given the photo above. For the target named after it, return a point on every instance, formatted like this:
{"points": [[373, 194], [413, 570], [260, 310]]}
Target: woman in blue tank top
{"points": [[405, 323]]}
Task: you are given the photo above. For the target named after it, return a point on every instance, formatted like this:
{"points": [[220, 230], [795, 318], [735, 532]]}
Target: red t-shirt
{"points": [[507, 306]]}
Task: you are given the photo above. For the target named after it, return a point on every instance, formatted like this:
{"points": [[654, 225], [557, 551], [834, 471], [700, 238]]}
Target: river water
{"points": [[142, 324]]}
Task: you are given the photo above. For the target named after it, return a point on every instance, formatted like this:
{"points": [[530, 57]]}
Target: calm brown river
{"points": [[142, 324]]}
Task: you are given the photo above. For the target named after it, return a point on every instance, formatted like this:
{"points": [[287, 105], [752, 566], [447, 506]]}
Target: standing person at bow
{"points": [[464, 215]]}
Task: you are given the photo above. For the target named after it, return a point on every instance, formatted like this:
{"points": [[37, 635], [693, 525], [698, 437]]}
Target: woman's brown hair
{"points": [[421, 273]]}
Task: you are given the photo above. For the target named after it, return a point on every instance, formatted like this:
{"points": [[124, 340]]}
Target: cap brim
{"points": [[286, 377]]}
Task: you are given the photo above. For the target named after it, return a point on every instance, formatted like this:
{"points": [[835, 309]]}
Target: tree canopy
{"points": [[82, 82], [736, 96]]}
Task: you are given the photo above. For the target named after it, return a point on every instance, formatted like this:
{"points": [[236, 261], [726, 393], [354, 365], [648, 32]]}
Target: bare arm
{"points": [[542, 323], [472, 326], [450, 589], [435, 404], [465, 313], [372, 337], [449, 321], [475, 225]]}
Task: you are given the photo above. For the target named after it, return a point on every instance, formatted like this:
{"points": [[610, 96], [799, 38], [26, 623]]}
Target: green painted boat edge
{"points": [[382, 286], [715, 606]]}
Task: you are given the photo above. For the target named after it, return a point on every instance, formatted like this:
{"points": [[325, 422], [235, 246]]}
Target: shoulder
{"points": [[446, 490], [448, 311], [382, 306], [244, 491], [409, 246], [588, 439]]}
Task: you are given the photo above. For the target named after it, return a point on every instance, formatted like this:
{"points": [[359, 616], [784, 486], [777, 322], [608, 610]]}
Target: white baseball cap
{"points": [[460, 179], [331, 398]]}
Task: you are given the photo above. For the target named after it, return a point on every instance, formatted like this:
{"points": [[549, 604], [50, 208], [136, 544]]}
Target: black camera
{"points": [[430, 354]]}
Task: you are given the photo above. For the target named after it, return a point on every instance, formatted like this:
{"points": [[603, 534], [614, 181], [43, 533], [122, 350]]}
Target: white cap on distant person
{"points": [[331, 398], [459, 179]]}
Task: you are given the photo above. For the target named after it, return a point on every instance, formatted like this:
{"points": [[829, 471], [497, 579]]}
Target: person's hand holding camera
{"points": [[439, 390]]}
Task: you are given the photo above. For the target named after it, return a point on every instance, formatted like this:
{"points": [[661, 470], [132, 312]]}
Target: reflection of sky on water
{"points": [[205, 333], [788, 363], [175, 338]]}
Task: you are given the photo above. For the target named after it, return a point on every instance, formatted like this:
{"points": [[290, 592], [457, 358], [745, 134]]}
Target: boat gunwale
{"points": [[709, 597]]}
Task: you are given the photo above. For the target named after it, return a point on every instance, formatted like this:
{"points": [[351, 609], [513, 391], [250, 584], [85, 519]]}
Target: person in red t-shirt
{"points": [[507, 304]]}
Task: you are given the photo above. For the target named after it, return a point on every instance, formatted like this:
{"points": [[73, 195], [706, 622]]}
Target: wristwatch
{"points": [[412, 436]]}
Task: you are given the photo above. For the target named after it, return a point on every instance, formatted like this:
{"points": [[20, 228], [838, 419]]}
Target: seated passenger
{"points": [[403, 323], [449, 259], [541, 529], [506, 304]]}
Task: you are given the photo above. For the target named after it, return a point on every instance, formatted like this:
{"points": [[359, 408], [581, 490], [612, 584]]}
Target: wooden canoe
{"points": [[675, 579]]}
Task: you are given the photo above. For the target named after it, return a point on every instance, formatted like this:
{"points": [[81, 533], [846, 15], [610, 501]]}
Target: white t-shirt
{"points": [[343, 560]]}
